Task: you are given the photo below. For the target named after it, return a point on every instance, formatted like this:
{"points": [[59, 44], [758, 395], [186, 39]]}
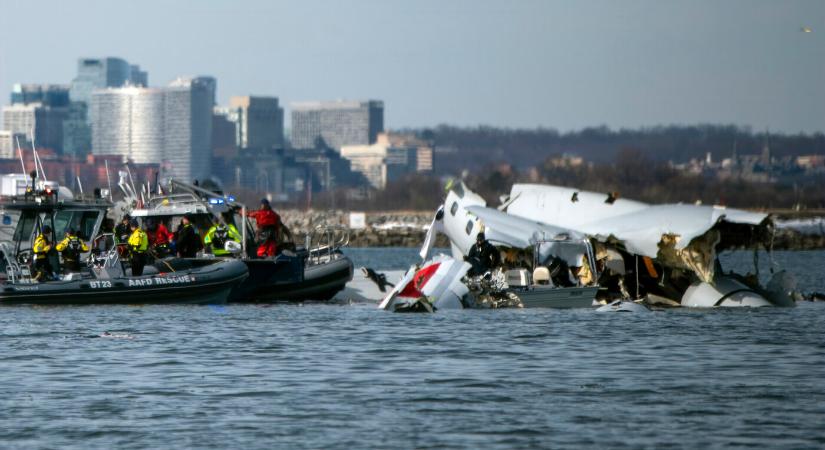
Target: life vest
{"points": [[219, 237], [138, 241], [71, 247], [41, 246]]}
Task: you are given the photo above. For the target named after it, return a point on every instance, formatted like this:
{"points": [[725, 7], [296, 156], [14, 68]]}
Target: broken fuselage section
{"points": [[560, 243]]}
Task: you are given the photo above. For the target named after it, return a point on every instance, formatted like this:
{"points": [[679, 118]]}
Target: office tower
{"points": [[99, 73], [188, 120], [53, 95], [128, 122], [7, 146], [45, 122], [170, 125], [336, 123], [224, 130], [40, 108], [259, 122], [77, 134], [138, 77], [92, 74]]}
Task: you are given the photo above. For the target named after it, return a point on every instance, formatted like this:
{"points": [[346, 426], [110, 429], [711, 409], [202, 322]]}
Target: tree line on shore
{"points": [[630, 175], [472, 148], [632, 163]]}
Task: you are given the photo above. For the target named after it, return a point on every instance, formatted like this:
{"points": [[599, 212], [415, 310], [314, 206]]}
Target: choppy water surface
{"points": [[350, 376]]}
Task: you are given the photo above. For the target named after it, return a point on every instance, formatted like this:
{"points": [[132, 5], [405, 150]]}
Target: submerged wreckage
{"points": [[563, 247]]}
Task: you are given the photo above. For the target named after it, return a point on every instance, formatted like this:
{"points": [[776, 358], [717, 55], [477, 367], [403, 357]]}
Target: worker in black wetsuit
{"points": [[123, 230], [187, 241], [483, 256]]}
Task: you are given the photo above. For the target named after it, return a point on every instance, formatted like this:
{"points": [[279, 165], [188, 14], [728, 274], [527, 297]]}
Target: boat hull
{"points": [[555, 297], [289, 280], [204, 285]]}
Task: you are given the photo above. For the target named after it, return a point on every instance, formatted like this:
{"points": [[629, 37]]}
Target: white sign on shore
{"points": [[357, 220]]}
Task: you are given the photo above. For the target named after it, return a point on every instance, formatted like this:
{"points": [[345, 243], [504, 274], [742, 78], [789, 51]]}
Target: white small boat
{"points": [[540, 296]]}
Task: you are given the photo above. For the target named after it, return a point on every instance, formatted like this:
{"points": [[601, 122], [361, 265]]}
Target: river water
{"points": [[351, 376]]}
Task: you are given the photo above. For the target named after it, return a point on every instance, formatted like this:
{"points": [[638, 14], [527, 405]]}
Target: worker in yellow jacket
{"points": [[138, 245], [71, 247], [41, 248], [218, 235]]}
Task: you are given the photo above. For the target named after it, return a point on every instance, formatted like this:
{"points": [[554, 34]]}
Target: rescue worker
{"points": [[41, 248], [71, 247], [122, 230], [218, 235], [268, 223], [187, 241], [159, 238], [483, 256], [138, 244]]}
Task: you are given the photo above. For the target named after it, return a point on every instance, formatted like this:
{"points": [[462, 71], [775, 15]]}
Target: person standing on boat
{"points": [[218, 235], [268, 223], [187, 241], [483, 256], [71, 247], [122, 230], [41, 248], [159, 238], [138, 244]]}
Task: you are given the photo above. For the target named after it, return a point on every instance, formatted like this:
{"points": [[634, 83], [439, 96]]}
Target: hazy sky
{"points": [[562, 64]]}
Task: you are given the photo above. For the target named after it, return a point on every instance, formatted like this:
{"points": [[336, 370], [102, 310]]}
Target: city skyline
{"points": [[527, 64]]}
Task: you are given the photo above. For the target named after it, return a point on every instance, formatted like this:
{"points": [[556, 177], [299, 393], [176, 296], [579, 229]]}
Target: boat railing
{"points": [[105, 253], [323, 243], [15, 272]]}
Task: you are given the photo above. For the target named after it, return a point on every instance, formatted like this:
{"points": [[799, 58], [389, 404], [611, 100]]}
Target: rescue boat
{"points": [[105, 278], [316, 270]]}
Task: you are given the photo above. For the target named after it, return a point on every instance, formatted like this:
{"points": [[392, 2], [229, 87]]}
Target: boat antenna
{"points": [[131, 181], [108, 179], [37, 161], [79, 185], [20, 154]]}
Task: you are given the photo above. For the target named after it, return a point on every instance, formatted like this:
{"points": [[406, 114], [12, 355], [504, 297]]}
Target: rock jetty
{"points": [[378, 229], [408, 228]]}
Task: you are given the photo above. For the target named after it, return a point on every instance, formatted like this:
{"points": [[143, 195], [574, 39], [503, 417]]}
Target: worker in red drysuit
{"points": [[268, 222]]}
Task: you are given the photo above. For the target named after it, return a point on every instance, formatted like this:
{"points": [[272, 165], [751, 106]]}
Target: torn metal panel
{"points": [[639, 227], [438, 283]]}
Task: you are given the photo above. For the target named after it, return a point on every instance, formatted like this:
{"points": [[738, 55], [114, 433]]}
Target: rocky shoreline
{"points": [[380, 229], [408, 229]]}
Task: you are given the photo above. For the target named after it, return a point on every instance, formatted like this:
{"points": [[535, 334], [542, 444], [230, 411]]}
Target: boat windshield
{"points": [[25, 226], [83, 222]]}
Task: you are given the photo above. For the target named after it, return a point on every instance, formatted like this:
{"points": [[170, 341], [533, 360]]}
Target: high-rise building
{"points": [[45, 122], [7, 145], [188, 105], [336, 123], [38, 108], [53, 95], [92, 74], [128, 122], [99, 73], [259, 122], [170, 125], [77, 134], [224, 130], [138, 77]]}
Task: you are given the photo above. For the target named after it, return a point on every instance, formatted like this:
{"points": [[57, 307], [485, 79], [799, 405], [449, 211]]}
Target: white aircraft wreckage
{"points": [[565, 248]]}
